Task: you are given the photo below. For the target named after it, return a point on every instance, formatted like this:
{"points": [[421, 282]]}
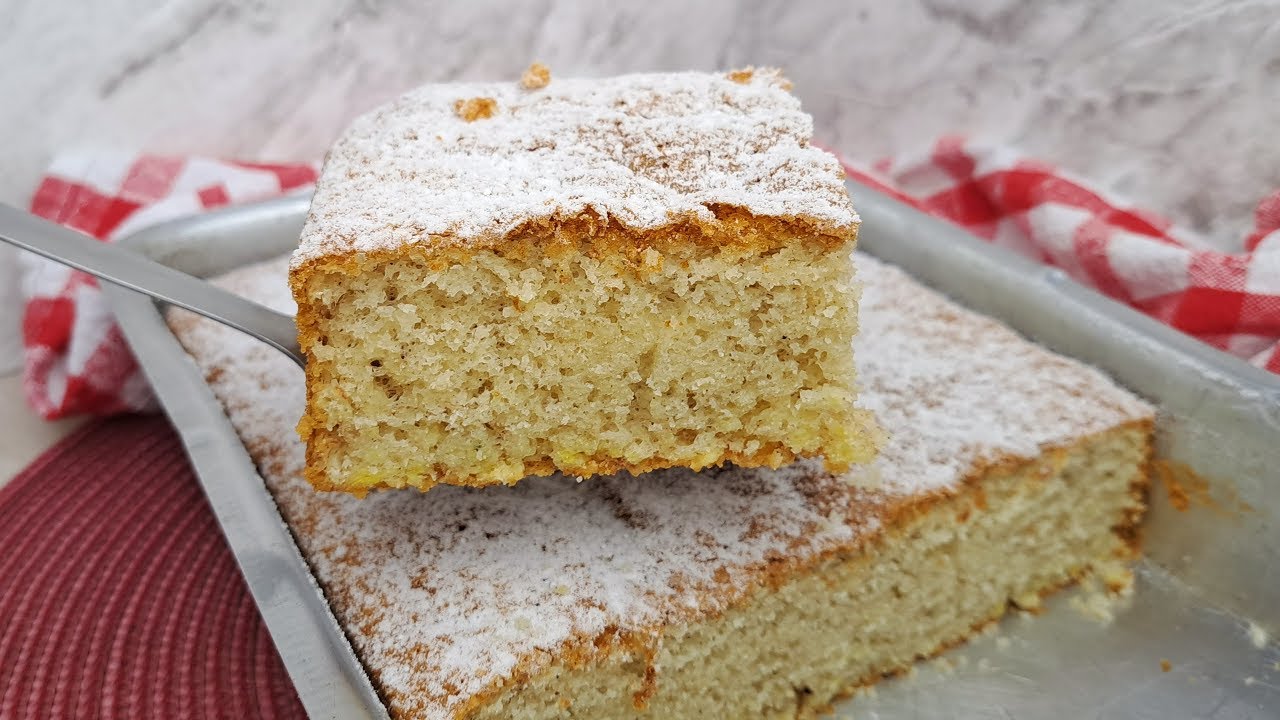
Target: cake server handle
{"points": [[144, 275]]}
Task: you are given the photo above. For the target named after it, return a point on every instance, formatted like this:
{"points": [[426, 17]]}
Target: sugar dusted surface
{"points": [[644, 150], [447, 592], [957, 390]]}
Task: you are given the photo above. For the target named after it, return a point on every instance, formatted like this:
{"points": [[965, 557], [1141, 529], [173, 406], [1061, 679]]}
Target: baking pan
{"points": [[1192, 641]]}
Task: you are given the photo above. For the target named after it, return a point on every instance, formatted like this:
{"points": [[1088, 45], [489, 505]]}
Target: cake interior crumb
{"points": [[729, 354], [536, 77], [478, 108]]}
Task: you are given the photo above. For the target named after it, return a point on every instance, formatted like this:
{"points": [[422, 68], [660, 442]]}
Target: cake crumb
{"points": [[1185, 488], [1003, 643], [771, 76], [1095, 603], [473, 109], [536, 77], [1178, 496], [1165, 665], [1249, 681], [1117, 576], [1257, 635], [1030, 602], [1105, 590]]}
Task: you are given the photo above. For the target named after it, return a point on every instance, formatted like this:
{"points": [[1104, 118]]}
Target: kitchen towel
{"points": [[76, 360]]}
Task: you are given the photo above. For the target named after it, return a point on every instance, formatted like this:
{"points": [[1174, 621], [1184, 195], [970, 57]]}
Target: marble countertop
{"points": [[1173, 104]]}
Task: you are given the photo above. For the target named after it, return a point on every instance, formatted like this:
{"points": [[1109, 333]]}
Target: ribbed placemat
{"points": [[118, 595]]}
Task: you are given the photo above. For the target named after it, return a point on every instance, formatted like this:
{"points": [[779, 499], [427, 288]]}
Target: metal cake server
{"points": [[140, 274]]}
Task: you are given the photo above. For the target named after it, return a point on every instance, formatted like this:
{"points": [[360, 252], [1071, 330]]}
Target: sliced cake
{"points": [[1008, 472], [584, 276]]}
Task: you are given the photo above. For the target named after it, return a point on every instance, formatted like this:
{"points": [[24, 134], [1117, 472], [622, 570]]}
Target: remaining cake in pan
{"points": [[583, 276], [1008, 472]]}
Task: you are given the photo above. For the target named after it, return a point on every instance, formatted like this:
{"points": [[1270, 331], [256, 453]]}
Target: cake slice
{"points": [[583, 276], [1008, 472]]}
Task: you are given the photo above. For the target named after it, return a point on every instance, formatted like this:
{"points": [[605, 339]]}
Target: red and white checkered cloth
{"points": [[77, 361], [1230, 301]]}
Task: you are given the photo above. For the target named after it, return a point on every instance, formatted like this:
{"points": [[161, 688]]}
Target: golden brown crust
{"points": [[1140, 489], [588, 233], [772, 455]]}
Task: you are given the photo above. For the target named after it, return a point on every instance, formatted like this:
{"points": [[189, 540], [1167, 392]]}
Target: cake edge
{"points": [[583, 652]]}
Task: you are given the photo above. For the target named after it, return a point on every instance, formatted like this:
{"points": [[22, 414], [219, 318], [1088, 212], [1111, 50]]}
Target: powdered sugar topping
{"points": [[644, 150], [957, 390]]}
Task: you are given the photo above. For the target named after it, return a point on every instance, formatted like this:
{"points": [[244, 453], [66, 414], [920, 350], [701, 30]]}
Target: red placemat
{"points": [[118, 595]]}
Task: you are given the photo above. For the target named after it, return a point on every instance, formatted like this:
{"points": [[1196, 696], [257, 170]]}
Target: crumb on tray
{"points": [[473, 109], [536, 77]]}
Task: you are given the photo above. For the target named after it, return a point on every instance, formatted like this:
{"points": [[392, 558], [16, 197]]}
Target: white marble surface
{"points": [[1175, 104]]}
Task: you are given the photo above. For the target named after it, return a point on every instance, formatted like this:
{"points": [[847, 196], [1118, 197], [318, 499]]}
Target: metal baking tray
{"points": [[1191, 642]]}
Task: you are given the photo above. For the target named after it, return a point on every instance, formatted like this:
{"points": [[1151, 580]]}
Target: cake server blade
{"points": [[140, 274]]}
